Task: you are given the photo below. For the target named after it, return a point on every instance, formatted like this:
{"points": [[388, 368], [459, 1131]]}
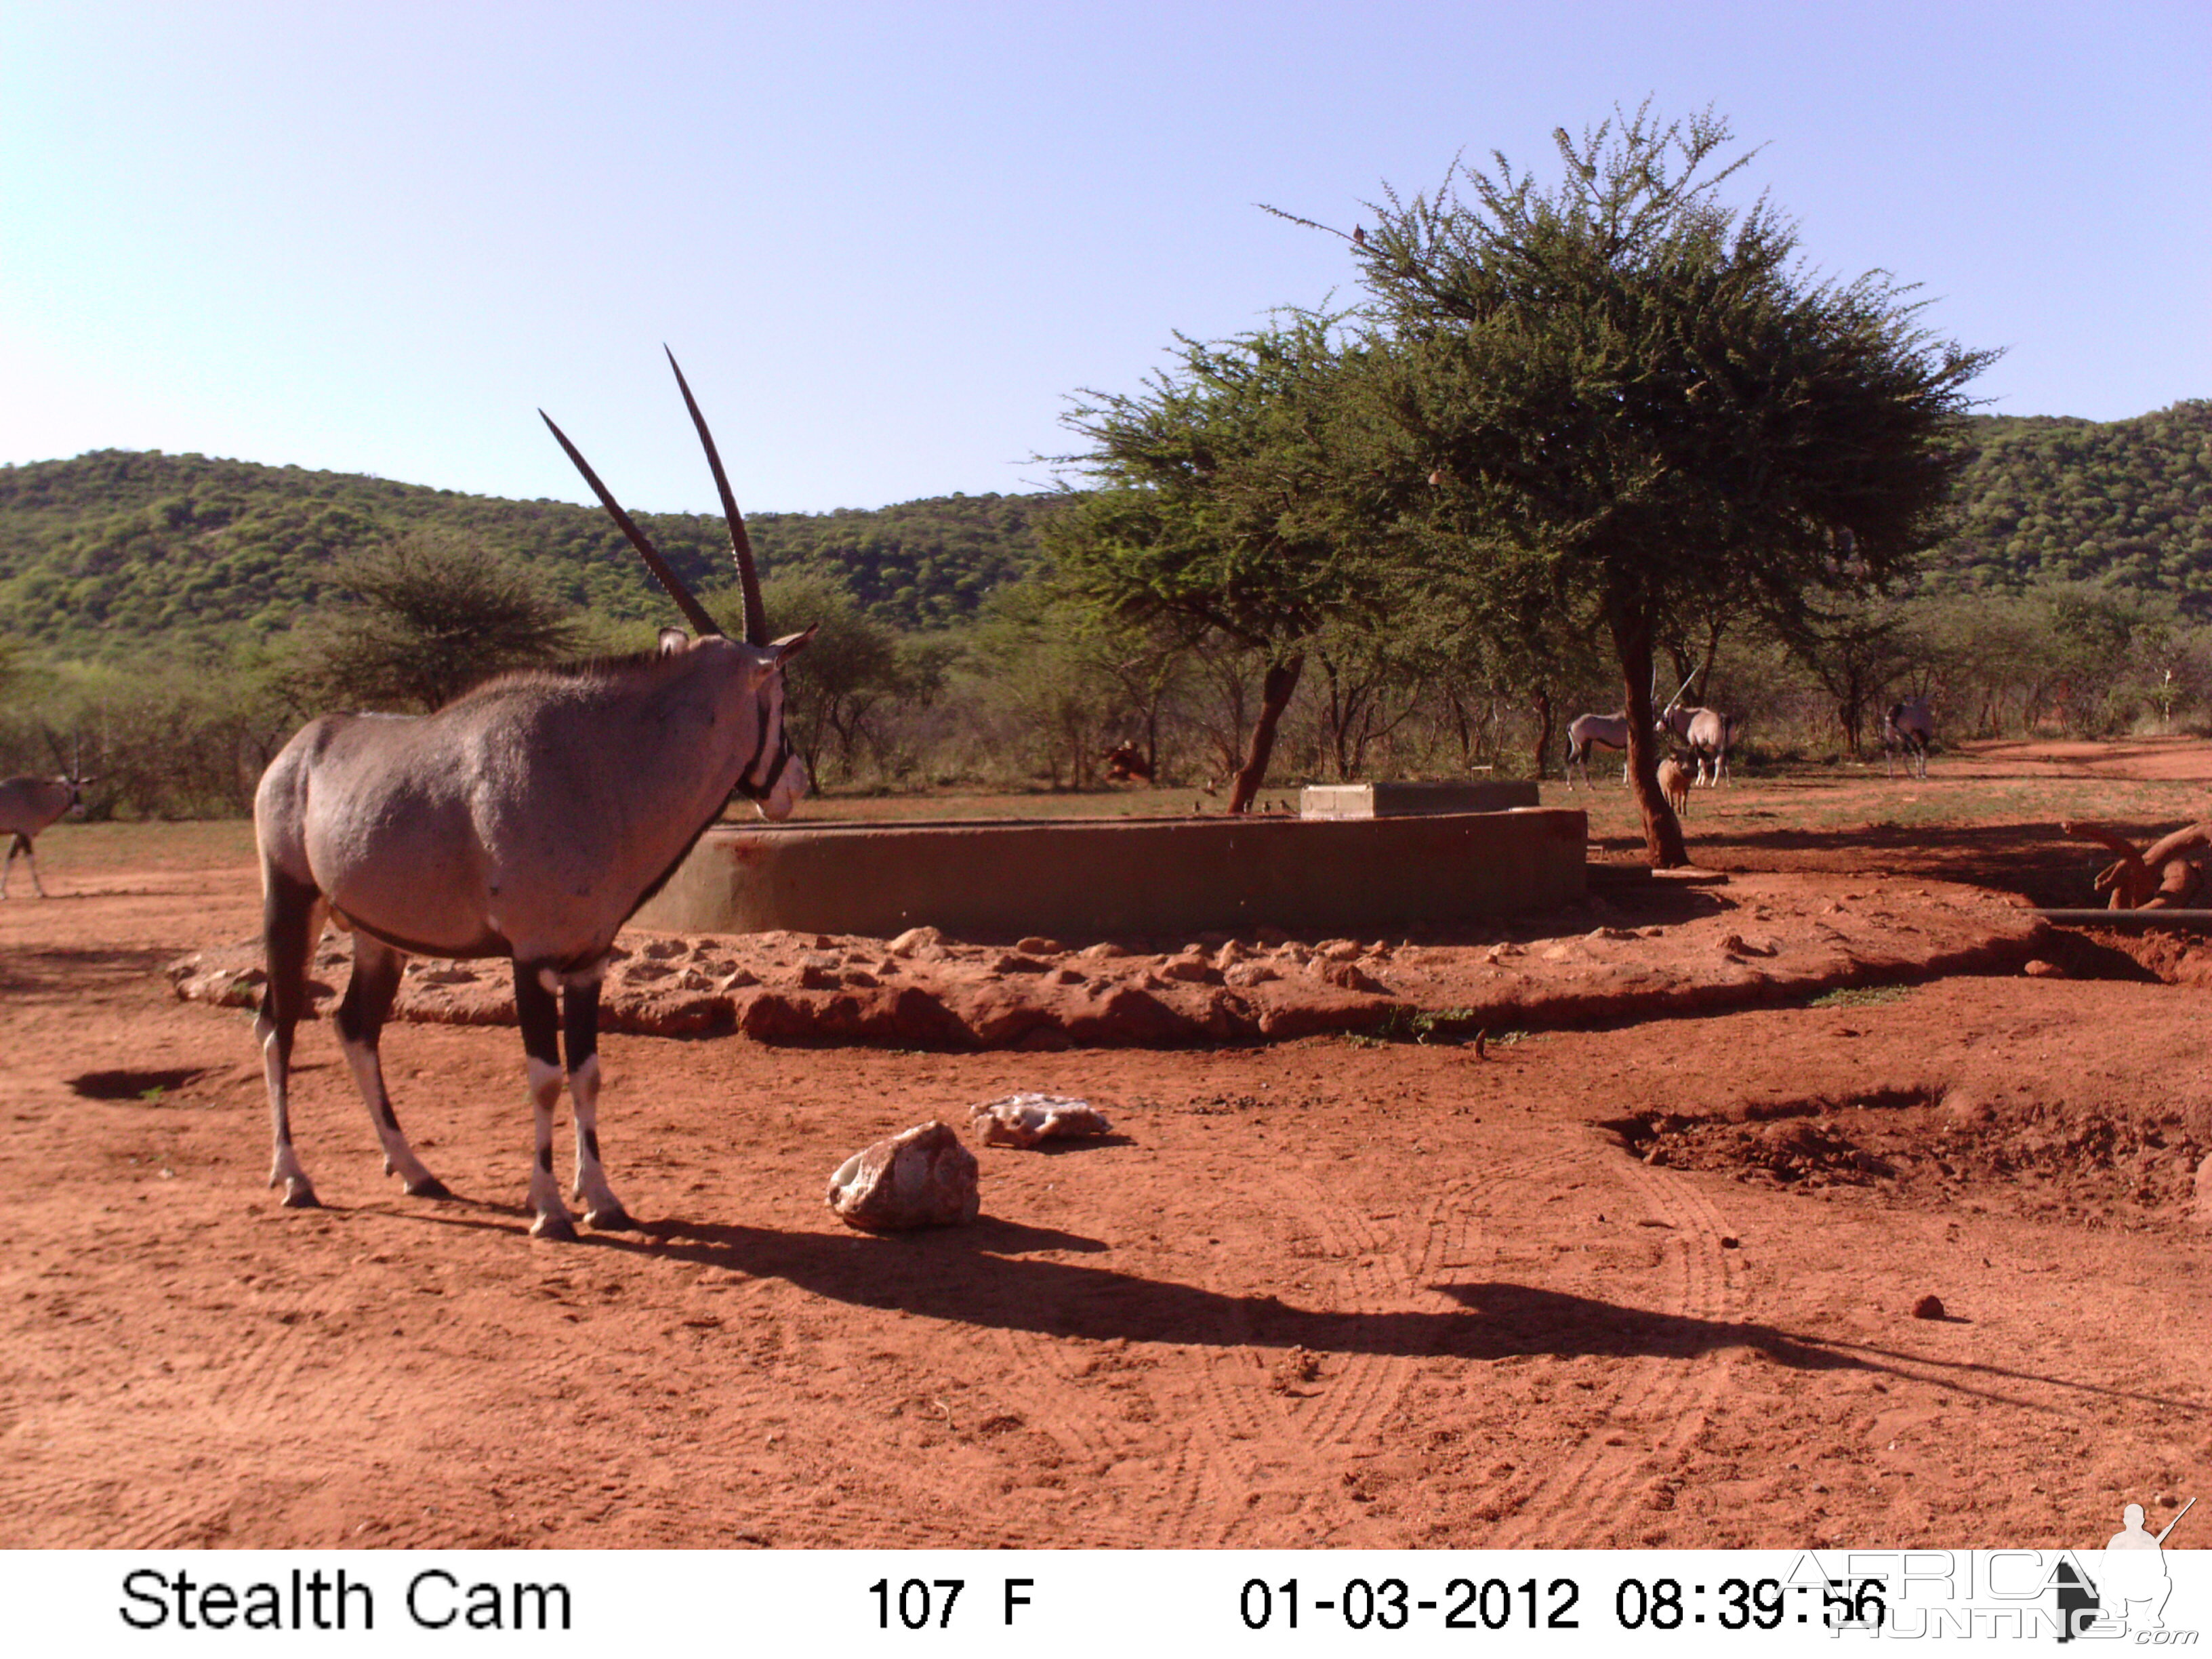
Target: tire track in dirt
{"points": [[1588, 1490], [1268, 1448], [1035, 1402], [267, 1401], [1228, 1459], [249, 1389], [1463, 1245], [1279, 1436], [1154, 1475], [1379, 1278]]}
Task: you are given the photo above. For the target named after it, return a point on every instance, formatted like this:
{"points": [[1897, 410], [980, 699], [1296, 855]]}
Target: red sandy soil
{"points": [[1637, 1272]]}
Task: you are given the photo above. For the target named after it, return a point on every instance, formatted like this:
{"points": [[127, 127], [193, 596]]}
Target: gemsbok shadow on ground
{"points": [[980, 1276]]}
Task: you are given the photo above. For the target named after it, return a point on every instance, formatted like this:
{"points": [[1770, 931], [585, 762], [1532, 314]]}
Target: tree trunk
{"points": [[1662, 831], [1545, 721], [1281, 680], [1705, 674]]}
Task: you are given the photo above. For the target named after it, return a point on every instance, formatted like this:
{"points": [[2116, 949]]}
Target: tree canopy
{"points": [[1627, 395], [1216, 502], [433, 614]]}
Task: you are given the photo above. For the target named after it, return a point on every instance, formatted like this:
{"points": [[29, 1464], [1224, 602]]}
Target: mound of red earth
{"points": [[1938, 1146], [1675, 944]]}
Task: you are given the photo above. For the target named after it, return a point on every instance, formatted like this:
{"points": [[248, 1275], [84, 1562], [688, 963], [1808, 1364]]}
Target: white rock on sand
{"points": [[922, 1178], [1025, 1120]]}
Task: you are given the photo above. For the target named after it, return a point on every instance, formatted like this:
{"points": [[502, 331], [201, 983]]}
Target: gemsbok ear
{"points": [[779, 649], [673, 639]]}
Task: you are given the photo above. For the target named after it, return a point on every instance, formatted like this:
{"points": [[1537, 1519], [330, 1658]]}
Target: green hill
{"points": [[2051, 499], [114, 547]]}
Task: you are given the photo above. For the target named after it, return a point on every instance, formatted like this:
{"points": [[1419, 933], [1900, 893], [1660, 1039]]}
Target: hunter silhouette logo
{"points": [[2127, 1587]]}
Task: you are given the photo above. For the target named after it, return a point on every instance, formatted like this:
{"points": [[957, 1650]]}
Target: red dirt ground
{"points": [[1615, 1283]]}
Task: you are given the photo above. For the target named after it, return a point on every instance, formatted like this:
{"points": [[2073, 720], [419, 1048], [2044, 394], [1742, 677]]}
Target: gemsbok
{"points": [[1909, 725], [528, 819], [1706, 730], [30, 804], [1607, 732]]}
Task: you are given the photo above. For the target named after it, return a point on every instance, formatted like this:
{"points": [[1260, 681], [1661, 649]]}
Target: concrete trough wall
{"points": [[1075, 881]]}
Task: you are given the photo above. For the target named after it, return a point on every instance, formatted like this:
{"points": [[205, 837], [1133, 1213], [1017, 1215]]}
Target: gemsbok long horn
{"points": [[695, 612], [741, 545]]}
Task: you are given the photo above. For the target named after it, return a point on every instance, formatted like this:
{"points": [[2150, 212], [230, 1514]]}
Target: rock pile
{"points": [[1732, 941]]}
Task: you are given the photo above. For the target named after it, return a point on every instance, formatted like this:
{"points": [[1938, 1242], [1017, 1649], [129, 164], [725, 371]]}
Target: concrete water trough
{"points": [[1078, 880]]}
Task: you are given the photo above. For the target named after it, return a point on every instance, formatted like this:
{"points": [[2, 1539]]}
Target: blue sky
{"points": [[886, 242]]}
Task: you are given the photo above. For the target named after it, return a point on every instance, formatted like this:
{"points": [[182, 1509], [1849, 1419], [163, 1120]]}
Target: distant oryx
{"points": [[1708, 733], [1607, 732], [28, 806], [528, 819], [1909, 725]]}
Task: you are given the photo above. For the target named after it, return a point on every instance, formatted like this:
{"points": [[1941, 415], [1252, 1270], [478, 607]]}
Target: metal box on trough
{"points": [[1406, 800]]}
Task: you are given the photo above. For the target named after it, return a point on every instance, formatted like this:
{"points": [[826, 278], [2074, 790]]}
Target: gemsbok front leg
{"points": [[580, 1031], [537, 1007], [368, 998]]}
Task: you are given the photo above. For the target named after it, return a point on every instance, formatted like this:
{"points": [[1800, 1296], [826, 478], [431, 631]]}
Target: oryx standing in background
{"points": [[30, 804], [527, 819], [1607, 732], [1909, 725], [1706, 730]]}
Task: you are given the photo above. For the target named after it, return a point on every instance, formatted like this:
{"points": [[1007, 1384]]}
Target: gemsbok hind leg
{"points": [[369, 995], [579, 1031], [537, 1009], [291, 923], [21, 844]]}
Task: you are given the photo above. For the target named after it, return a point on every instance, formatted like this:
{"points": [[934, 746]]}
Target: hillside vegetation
{"points": [[106, 551], [2129, 501], [173, 618], [114, 548]]}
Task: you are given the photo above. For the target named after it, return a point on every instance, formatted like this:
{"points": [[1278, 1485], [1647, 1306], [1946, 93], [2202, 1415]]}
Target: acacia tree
{"points": [[1629, 396], [1856, 655], [434, 613], [1217, 505], [1038, 668]]}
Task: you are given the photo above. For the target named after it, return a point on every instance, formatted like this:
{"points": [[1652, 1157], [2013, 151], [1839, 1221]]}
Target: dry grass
{"points": [[1975, 787], [1840, 802]]}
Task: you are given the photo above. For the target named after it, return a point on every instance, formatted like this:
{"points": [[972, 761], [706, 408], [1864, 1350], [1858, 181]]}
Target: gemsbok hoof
{"points": [[613, 1219], [558, 1228], [299, 1194], [428, 1187]]}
